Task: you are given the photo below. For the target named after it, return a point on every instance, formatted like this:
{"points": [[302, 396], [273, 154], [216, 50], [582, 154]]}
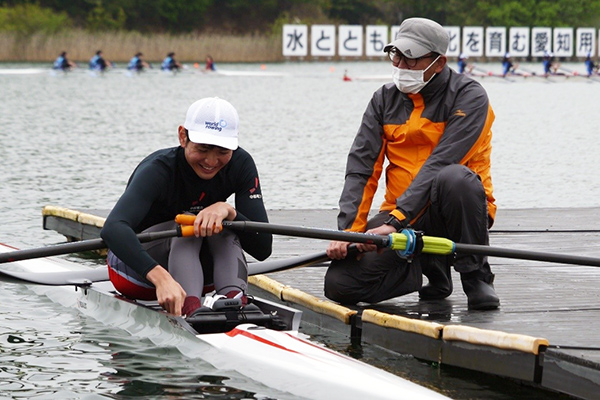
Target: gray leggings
{"points": [[190, 259]]}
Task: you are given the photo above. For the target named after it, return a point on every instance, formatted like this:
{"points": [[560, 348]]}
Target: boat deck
{"points": [[544, 334]]}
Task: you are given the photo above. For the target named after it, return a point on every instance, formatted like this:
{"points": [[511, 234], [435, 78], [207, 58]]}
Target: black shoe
{"points": [[435, 292], [479, 288], [440, 281]]}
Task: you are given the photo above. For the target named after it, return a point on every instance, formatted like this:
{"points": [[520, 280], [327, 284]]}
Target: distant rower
{"points": [[210, 64], [137, 63], [98, 63], [63, 63], [169, 63]]}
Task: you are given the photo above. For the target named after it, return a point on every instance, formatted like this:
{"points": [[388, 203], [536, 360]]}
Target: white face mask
{"points": [[409, 80]]}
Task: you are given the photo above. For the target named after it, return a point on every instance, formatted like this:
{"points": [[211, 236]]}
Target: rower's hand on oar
{"points": [[209, 220], [169, 293]]}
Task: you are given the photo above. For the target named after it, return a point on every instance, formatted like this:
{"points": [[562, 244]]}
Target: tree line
{"points": [[266, 17]]}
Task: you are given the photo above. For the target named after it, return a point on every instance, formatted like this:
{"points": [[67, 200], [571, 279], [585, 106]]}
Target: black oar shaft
{"points": [[526, 255], [383, 241], [76, 247], [313, 233]]}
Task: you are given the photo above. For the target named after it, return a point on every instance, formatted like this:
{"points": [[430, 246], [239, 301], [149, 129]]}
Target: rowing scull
{"points": [[281, 359]]}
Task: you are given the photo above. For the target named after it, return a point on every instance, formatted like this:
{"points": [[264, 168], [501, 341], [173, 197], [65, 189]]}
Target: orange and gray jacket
{"points": [[448, 122]]}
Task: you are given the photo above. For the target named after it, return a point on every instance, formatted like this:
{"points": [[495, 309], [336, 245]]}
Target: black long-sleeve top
{"points": [[164, 185]]}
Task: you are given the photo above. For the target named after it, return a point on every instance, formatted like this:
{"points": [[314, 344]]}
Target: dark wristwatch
{"points": [[396, 223]]}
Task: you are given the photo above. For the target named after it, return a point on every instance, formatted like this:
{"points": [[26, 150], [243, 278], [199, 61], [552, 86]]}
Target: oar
{"points": [[527, 70], [87, 277], [399, 241], [486, 72], [569, 71], [87, 245], [265, 267], [64, 278]]}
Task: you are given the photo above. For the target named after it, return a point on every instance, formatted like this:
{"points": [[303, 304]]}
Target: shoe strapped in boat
{"points": [[236, 294], [233, 300]]}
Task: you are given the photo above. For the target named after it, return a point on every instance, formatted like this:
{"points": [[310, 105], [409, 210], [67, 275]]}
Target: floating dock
{"points": [[543, 334]]}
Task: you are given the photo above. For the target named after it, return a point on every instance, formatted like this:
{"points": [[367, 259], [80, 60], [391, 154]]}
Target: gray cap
{"points": [[419, 36]]}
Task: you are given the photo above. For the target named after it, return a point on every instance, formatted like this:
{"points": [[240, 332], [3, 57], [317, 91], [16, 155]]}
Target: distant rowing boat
{"points": [[495, 76], [537, 78], [220, 72], [261, 342], [23, 71]]}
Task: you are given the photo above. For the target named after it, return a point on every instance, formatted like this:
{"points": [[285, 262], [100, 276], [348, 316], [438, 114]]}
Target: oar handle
{"points": [[185, 219]]}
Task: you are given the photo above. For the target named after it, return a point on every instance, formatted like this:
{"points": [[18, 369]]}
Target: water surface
{"points": [[73, 141]]}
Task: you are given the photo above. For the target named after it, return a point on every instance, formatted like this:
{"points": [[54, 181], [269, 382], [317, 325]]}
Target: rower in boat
{"points": [[508, 67], [62, 63], [591, 67], [98, 63], [196, 178], [137, 63], [550, 66], [463, 64], [170, 64], [210, 64], [346, 78]]}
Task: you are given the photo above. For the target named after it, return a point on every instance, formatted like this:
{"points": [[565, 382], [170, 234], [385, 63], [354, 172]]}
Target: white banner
{"points": [[376, 39], [454, 43], [518, 41], [563, 42], [495, 41], [541, 41], [295, 40], [350, 42], [394, 31], [472, 39], [322, 40], [585, 39]]}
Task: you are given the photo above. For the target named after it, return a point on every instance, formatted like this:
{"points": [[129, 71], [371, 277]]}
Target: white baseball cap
{"points": [[213, 121], [419, 36]]}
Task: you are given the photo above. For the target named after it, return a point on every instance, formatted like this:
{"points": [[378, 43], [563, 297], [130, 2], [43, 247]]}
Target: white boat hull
{"points": [[22, 71], [282, 360]]}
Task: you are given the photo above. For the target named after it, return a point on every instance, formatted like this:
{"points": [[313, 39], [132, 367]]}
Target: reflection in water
{"points": [[202, 387]]}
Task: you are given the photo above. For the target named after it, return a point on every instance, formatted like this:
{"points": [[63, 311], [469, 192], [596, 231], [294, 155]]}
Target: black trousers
{"points": [[457, 211]]}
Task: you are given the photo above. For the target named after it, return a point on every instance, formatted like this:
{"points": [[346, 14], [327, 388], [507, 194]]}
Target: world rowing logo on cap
{"points": [[217, 126]]}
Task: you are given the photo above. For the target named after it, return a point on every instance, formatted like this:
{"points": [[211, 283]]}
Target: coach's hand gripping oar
{"points": [[87, 245]]}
